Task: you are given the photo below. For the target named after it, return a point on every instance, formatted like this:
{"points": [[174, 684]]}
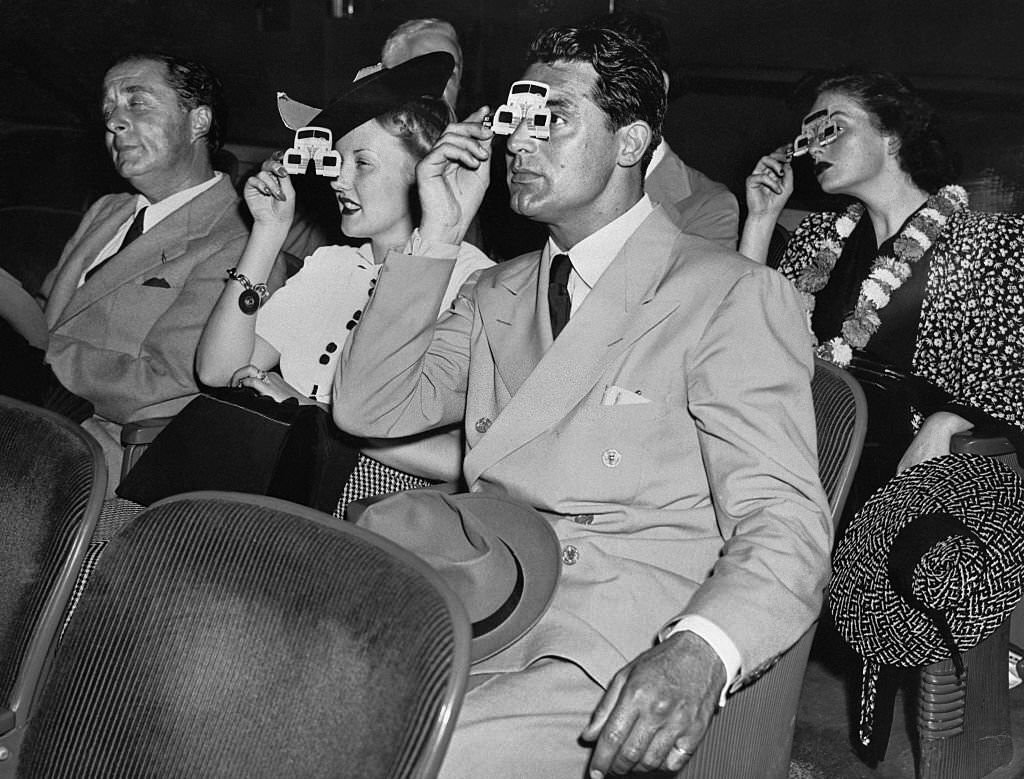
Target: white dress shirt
{"points": [[592, 256]]}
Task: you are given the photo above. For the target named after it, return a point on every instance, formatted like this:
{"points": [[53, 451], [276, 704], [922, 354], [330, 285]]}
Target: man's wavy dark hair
{"points": [[196, 86], [642, 28], [628, 87], [896, 109]]}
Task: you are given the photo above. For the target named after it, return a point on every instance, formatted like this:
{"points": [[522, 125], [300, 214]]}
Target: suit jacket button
{"points": [[483, 424], [611, 458], [570, 554]]}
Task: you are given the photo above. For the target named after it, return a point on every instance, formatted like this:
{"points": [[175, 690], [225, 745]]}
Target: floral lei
{"points": [[888, 272]]}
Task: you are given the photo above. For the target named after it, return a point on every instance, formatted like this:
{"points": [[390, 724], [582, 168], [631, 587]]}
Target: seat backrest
{"points": [[34, 237], [52, 482], [229, 635], [752, 737], [777, 245], [841, 413]]}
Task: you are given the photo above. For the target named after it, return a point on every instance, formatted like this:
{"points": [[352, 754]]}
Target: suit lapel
{"points": [[513, 314], [97, 235], [618, 311], [164, 242]]}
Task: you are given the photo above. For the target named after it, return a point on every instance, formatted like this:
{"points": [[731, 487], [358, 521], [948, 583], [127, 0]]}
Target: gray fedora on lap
{"points": [[501, 558]]}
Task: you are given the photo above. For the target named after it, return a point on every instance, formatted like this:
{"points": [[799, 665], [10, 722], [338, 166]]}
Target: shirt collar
{"points": [[592, 256], [157, 211], [365, 252]]}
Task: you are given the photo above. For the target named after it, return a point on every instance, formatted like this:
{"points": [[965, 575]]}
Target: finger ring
{"points": [[682, 750], [261, 375]]}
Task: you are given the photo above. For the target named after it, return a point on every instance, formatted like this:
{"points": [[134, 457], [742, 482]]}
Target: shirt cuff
{"points": [[418, 247], [716, 638]]}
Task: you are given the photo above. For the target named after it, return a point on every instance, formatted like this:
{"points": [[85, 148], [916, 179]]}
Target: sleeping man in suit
{"points": [[667, 431], [127, 301]]}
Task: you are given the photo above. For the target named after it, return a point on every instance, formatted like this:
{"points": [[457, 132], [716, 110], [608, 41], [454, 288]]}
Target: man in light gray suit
{"points": [[127, 301], [647, 390]]}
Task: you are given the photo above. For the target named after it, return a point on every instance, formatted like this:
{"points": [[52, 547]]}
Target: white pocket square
{"points": [[615, 395]]}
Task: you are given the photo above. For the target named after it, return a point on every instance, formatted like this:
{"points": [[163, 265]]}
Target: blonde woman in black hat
{"points": [[382, 124]]}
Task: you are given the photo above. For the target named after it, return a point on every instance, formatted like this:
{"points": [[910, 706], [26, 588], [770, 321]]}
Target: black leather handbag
{"points": [[235, 439]]}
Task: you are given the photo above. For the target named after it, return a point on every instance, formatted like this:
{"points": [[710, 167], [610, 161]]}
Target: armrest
{"points": [[7, 720], [136, 436], [989, 444], [144, 431]]}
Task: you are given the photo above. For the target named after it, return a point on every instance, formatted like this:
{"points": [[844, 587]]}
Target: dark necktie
{"points": [[134, 231], [558, 292]]}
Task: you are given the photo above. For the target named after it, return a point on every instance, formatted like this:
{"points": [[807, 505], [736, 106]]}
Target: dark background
{"points": [[734, 65]]}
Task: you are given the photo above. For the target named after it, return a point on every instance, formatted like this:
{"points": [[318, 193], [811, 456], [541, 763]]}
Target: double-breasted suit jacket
{"points": [[668, 433], [126, 339]]}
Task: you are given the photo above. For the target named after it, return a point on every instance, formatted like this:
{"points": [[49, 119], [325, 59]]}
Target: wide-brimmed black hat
{"points": [[374, 92], [929, 567], [500, 557]]}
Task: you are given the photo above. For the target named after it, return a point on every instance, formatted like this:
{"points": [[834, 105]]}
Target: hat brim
{"points": [[525, 532], [531, 539], [879, 622], [375, 94]]}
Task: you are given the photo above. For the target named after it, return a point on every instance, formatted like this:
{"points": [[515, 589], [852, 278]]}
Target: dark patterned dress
{"points": [[963, 306], [958, 323]]}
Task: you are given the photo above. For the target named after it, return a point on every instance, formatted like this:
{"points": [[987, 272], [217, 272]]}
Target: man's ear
{"points": [[200, 119], [634, 138]]}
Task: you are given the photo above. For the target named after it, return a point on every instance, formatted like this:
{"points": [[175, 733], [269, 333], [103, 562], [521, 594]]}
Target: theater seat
{"points": [[33, 238], [52, 481], [227, 635], [752, 737], [963, 724]]}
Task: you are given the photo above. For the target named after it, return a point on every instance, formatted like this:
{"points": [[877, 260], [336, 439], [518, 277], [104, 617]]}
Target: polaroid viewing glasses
{"points": [[815, 127], [526, 103]]}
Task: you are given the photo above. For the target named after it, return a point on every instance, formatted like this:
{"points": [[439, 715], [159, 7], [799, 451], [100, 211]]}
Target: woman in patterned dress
{"points": [[382, 124], [907, 278]]}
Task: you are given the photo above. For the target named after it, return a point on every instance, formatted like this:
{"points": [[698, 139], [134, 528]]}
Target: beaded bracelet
{"points": [[252, 297]]}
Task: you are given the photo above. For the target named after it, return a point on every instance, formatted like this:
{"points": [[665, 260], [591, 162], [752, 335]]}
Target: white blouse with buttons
{"points": [[308, 320]]}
